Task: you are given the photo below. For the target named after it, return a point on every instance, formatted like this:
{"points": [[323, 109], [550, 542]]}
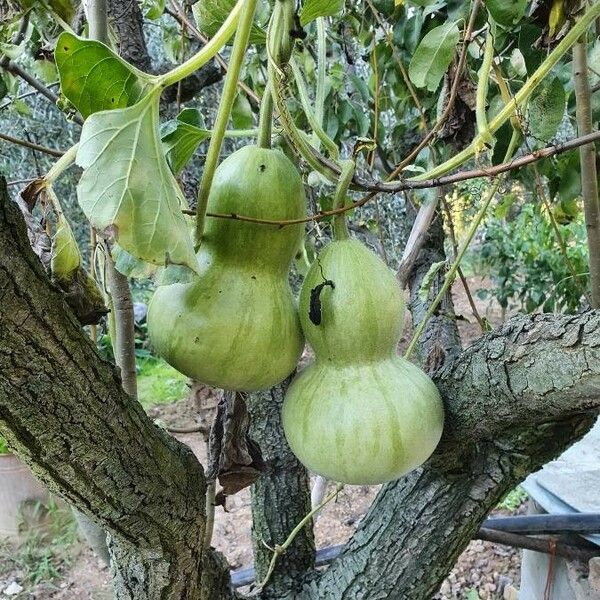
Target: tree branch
{"points": [[514, 400]]}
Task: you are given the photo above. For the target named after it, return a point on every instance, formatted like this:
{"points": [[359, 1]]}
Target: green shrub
{"points": [[526, 264], [3, 446]]}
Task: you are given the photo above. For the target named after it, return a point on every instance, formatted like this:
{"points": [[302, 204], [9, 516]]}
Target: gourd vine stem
{"points": [[521, 96], [238, 52], [279, 48], [299, 144], [487, 140], [61, 165], [340, 225], [281, 549], [208, 51], [321, 72], [97, 18], [450, 276], [311, 117], [265, 123]]}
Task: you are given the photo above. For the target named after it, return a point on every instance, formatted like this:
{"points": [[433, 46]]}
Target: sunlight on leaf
{"points": [[94, 78], [433, 56], [127, 187]]}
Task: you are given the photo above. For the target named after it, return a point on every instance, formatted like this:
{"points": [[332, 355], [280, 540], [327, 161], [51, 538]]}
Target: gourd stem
{"points": [[482, 88], [450, 276], [227, 98], [311, 117], [340, 225], [61, 165], [321, 72], [279, 47], [265, 123], [520, 97], [281, 549]]}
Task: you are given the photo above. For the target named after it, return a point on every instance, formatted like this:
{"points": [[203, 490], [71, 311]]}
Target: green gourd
{"points": [[236, 326], [359, 414]]}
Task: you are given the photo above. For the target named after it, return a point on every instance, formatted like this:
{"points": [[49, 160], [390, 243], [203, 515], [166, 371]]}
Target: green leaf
{"points": [[210, 14], [241, 113], [94, 78], [312, 9], [433, 56], [546, 110], [129, 265], [181, 136], [127, 187], [506, 13], [66, 258]]}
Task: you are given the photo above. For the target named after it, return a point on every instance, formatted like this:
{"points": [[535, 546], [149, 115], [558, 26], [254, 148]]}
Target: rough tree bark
{"points": [[513, 400], [280, 498], [63, 410]]}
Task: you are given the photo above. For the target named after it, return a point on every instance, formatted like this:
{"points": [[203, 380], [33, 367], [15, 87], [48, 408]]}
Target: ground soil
{"points": [[484, 570]]}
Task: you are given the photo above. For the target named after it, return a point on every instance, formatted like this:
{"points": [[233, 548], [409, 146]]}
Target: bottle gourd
{"points": [[359, 414], [236, 326]]}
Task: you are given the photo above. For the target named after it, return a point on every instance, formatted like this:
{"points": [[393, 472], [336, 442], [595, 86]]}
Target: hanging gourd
{"points": [[236, 325], [359, 414]]}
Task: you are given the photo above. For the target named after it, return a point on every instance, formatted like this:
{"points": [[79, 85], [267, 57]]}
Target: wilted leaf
{"points": [[312, 9], [546, 110], [506, 13], [433, 56], [66, 257], [94, 78], [181, 136], [127, 187]]}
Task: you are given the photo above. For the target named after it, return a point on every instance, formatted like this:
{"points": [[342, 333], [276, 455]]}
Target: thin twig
{"points": [[30, 145], [401, 186], [461, 275], [17, 70], [27, 95], [451, 100], [401, 67], [278, 550]]}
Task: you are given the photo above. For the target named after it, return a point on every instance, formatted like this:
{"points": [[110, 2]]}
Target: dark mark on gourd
{"points": [[262, 168], [314, 311]]}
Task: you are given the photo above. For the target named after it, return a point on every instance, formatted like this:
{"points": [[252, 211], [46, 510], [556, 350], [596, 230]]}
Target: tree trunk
{"points": [[280, 498], [63, 411]]}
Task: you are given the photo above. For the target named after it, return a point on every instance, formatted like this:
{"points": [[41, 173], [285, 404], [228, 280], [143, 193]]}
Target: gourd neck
{"points": [[340, 225]]}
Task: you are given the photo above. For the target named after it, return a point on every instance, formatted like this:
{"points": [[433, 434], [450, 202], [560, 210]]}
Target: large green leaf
{"points": [[546, 110], [181, 136], [433, 56], [94, 78], [210, 14], [312, 9], [127, 188], [505, 12]]}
